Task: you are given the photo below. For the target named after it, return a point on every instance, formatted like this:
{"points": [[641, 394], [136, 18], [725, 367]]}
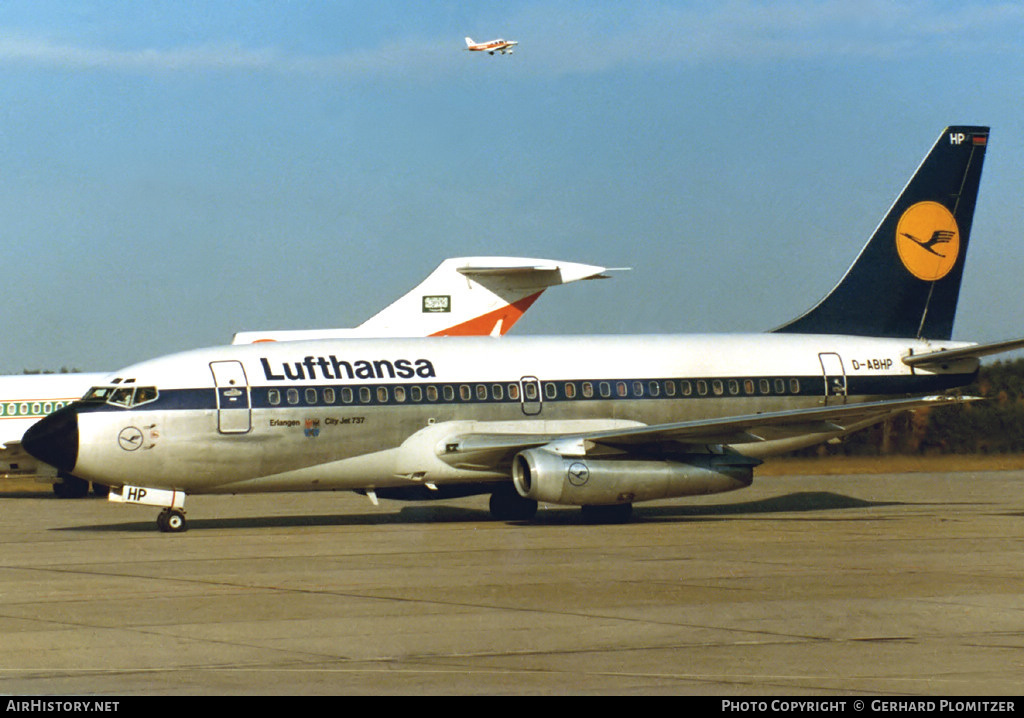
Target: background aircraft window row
{"points": [[31, 408], [552, 391]]}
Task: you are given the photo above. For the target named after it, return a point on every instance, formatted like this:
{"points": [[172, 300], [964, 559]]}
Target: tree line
{"points": [[992, 426]]}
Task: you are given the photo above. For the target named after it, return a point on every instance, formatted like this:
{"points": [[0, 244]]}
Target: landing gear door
{"points": [[234, 412], [529, 391], [835, 378]]}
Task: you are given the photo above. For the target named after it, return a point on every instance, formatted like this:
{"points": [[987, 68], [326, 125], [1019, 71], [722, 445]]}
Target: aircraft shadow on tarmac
{"points": [[808, 501]]}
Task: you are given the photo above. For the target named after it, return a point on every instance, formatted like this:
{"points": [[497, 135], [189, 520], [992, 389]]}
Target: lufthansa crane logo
{"points": [[130, 438], [928, 240], [578, 473]]}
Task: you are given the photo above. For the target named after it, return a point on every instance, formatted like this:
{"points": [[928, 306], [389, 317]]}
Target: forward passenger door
{"points": [[234, 412]]}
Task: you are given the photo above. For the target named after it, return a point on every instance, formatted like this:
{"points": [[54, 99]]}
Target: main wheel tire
{"points": [[507, 505], [70, 487]]}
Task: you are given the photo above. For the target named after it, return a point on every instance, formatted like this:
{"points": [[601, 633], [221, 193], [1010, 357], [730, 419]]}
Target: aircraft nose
{"points": [[54, 439]]}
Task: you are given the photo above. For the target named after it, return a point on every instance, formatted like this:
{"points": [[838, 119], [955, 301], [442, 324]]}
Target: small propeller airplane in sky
{"points": [[502, 46]]}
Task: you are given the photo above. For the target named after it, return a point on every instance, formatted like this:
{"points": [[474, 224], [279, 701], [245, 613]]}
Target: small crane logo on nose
{"points": [[130, 438]]}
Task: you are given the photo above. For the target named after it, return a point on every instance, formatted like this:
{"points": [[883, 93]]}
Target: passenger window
{"points": [[346, 395], [328, 396], [780, 386], [416, 394], [702, 387], [293, 396], [431, 393], [481, 392], [364, 395], [605, 388], [449, 393], [588, 390], [498, 391], [464, 392], [687, 388], [311, 397], [570, 390], [382, 394], [638, 388], [274, 397], [748, 386], [794, 386], [400, 393], [765, 386], [734, 387], [513, 392], [670, 388], [550, 390], [620, 388]]}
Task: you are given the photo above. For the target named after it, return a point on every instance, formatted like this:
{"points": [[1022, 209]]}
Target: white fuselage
{"points": [[358, 414]]}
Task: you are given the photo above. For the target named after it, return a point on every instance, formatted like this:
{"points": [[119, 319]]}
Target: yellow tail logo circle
{"points": [[928, 240]]}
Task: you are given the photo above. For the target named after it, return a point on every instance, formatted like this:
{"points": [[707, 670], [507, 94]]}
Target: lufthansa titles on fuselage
{"points": [[331, 367]]}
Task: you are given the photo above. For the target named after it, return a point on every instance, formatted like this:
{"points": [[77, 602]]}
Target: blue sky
{"points": [[172, 172]]}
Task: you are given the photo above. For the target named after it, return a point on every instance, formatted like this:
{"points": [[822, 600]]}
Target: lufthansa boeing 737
{"points": [[463, 296], [599, 422]]}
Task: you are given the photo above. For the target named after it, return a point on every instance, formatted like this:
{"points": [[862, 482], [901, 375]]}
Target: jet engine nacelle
{"points": [[543, 475]]}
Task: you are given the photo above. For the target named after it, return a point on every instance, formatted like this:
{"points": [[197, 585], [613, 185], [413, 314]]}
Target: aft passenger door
{"points": [[234, 414], [835, 378]]}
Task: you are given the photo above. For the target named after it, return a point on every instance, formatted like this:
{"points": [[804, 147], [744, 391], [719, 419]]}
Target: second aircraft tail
{"points": [[906, 280]]}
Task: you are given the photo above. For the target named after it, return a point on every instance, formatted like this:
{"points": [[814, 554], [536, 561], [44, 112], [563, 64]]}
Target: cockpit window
{"points": [[121, 396], [144, 394], [125, 396], [98, 393]]}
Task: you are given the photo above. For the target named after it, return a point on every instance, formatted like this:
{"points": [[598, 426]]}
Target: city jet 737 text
{"points": [[599, 422], [491, 47]]}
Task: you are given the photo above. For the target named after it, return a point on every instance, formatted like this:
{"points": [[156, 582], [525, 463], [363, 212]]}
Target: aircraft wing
{"points": [[15, 460], [744, 429], [975, 351]]}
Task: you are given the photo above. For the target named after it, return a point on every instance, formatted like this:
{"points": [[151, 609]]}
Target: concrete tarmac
{"points": [[885, 585]]}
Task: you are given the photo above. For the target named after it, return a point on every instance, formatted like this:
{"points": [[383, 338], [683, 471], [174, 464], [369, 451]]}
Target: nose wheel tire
{"points": [[171, 521]]}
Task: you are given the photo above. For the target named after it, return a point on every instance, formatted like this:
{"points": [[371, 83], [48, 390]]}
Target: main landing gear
{"points": [[507, 505], [172, 521]]}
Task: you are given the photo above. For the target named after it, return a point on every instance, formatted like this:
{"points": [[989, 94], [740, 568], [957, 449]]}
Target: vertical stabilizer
{"points": [[906, 280]]}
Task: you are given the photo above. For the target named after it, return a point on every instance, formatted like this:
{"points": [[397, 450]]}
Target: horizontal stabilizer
{"points": [[542, 275], [975, 351]]}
